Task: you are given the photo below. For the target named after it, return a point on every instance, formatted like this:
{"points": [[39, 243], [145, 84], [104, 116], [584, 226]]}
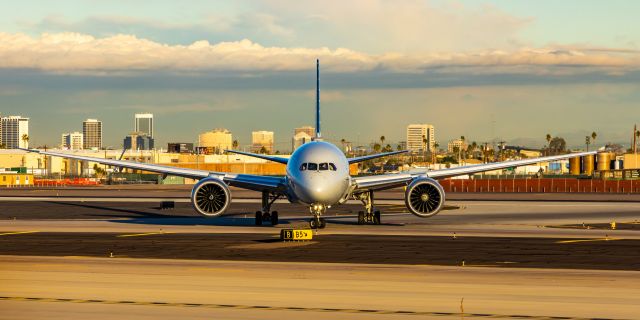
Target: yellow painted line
{"points": [[260, 307], [140, 234], [17, 232], [588, 240]]}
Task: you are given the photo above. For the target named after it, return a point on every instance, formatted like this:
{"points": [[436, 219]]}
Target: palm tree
{"points": [[461, 147], [263, 150], [382, 138], [474, 146], [376, 147], [637, 137], [235, 144], [343, 141], [548, 142], [593, 136], [587, 141], [424, 147], [25, 139]]}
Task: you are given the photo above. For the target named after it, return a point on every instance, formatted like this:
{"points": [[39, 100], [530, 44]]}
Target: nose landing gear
{"points": [[317, 222]]}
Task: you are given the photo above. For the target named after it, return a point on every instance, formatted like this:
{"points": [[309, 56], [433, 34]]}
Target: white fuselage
{"points": [[318, 173]]}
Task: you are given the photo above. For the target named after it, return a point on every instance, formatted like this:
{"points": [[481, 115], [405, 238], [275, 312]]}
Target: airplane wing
{"points": [[261, 156], [246, 181], [373, 156], [387, 181]]}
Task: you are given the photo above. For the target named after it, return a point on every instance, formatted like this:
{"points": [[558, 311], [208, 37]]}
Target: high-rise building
{"points": [[262, 139], [299, 139], [301, 136], [215, 141], [144, 123], [72, 141], [456, 145], [15, 132], [415, 135], [138, 141], [310, 131], [92, 134]]}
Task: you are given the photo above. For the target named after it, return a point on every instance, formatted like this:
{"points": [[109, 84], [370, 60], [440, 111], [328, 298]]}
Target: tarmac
{"points": [[113, 253]]}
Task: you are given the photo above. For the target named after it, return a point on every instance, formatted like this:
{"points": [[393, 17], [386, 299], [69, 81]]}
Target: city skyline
{"points": [[237, 65]]}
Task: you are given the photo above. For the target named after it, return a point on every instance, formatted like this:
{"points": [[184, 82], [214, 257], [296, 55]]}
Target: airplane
{"points": [[317, 175]]}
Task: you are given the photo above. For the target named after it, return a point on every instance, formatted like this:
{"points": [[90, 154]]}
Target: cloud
{"points": [[81, 53]]}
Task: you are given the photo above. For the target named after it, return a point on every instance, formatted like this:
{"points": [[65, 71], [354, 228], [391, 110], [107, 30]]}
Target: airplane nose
{"points": [[321, 189]]}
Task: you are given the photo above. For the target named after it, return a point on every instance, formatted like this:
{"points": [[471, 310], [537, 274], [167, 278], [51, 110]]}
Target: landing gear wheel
{"points": [[322, 224], [258, 218], [376, 217], [274, 218], [361, 217], [314, 223]]}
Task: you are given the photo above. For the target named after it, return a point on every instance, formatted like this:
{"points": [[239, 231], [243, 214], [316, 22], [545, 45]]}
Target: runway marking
{"points": [[141, 234], [307, 309], [589, 240], [17, 232]]}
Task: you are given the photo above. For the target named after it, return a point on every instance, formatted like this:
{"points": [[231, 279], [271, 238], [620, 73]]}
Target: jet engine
{"points": [[210, 197], [424, 197]]}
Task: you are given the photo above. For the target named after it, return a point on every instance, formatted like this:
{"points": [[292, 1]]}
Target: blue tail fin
{"points": [[318, 134]]}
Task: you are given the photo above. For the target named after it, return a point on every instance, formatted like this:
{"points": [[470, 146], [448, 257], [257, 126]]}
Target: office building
{"points": [[310, 131], [15, 132], [92, 134], [262, 139], [144, 123], [299, 139], [178, 147], [415, 135], [456, 145], [72, 141], [138, 141], [215, 141]]}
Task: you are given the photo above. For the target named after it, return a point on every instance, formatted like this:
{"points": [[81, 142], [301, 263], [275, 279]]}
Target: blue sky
{"points": [[512, 70]]}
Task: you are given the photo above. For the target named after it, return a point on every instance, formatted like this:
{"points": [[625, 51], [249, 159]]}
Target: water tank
{"points": [[574, 166], [604, 161], [587, 164]]}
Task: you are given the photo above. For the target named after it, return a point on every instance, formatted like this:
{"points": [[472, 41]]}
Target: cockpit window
{"points": [[312, 166], [303, 167], [332, 167], [324, 166]]}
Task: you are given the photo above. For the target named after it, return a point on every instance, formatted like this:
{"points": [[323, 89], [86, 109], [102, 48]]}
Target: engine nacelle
{"points": [[210, 197], [424, 197]]}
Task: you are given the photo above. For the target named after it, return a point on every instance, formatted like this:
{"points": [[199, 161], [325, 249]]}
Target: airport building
{"points": [[72, 141], [138, 141], [92, 134], [260, 140], [144, 123], [14, 132], [215, 141], [179, 147], [416, 133]]}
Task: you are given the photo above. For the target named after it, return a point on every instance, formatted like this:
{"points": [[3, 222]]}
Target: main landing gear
{"points": [[370, 215], [317, 222], [266, 214]]}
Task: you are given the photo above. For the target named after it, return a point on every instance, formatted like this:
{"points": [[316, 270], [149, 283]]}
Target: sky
{"points": [[488, 70]]}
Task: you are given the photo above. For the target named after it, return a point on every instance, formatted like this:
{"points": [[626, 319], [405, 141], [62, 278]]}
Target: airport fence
{"points": [[542, 185]]}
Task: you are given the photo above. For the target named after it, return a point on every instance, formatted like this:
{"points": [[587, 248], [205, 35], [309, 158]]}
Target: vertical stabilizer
{"points": [[318, 134]]}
